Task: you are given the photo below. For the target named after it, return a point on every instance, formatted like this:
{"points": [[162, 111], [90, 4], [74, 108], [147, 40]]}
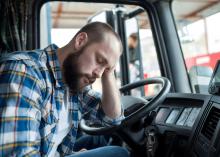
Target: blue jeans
{"points": [[107, 151], [90, 142], [97, 147]]}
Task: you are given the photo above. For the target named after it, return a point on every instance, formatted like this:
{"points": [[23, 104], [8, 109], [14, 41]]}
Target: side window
{"points": [[61, 20], [198, 30], [143, 62]]}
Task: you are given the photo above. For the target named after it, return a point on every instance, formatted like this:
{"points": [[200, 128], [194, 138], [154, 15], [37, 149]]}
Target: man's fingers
{"points": [[82, 150]]}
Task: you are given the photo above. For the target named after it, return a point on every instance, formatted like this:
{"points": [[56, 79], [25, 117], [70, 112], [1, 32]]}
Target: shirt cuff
{"points": [[113, 121]]}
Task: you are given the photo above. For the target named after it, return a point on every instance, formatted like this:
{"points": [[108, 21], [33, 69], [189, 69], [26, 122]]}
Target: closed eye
{"points": [[101, 60]]}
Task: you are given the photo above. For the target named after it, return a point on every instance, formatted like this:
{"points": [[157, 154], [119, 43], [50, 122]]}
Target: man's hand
{"points": [[110, 98], [82, 150]]}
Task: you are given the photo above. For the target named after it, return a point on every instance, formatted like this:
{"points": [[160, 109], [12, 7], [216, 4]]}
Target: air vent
{"points": [[211, 122]]}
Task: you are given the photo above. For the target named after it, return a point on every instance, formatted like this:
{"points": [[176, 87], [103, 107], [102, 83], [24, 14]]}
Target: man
{"points": [[134, 61], [43, 92], [132, 45]]}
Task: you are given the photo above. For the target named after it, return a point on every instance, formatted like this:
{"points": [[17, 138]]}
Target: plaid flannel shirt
{"points": [[31, 96]]}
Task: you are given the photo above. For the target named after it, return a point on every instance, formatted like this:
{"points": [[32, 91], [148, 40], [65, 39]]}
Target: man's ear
{"points": [[80, 40]]}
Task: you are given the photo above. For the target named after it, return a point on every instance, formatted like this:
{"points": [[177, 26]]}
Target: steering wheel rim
{"points": [[139, 113]]}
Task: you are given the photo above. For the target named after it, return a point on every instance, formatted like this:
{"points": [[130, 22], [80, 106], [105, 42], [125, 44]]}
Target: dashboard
{"points": [[190, 124], [180, 110], [184, 116], [183, 125]]}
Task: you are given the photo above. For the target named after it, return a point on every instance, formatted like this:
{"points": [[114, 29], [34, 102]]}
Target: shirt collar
{"points": [[54, 65]]}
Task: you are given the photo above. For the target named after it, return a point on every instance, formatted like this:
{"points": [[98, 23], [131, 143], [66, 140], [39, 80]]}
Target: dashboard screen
{"points": [[178, 116], [192, 117], [183, 117], [162, 115], [172, 117]]}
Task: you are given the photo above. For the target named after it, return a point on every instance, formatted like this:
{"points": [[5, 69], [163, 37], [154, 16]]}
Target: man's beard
{"points": [[71, 72]]}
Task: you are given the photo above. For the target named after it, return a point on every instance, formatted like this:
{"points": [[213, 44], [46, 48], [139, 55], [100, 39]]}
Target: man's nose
{"points": [[98, 72]]}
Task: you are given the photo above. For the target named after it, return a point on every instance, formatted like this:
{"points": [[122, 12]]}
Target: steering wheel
{"points": [[140, 112]]}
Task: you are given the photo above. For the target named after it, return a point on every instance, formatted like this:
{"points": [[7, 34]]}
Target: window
{"points": [[142, 55], [198, 29], [61, 20]]}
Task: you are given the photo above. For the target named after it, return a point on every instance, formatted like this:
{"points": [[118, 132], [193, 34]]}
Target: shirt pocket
{"points": [[49, 119], [47, 131]]}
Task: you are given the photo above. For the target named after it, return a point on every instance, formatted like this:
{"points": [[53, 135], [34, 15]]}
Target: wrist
{"points": [[108, 75]]}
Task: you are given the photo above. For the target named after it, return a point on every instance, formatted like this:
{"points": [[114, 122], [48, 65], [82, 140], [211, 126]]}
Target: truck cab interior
{"points": [[168, 73]]}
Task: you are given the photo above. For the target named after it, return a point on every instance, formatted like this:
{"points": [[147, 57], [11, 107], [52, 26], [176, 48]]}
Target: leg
{"points": [[90, 142], [108, 151]]}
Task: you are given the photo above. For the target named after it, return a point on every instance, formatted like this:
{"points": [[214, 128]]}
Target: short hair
{"points": [[133, 36], [96, 32]]}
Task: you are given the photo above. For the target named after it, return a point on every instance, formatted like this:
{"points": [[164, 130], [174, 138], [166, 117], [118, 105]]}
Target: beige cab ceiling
{"points": [[76, 14]]}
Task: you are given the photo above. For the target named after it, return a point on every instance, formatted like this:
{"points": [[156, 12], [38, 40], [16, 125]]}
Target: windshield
{"points": [[198, 29]]}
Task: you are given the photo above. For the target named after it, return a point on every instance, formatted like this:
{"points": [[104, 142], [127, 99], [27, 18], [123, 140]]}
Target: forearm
{"points": [[110, 99]]}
